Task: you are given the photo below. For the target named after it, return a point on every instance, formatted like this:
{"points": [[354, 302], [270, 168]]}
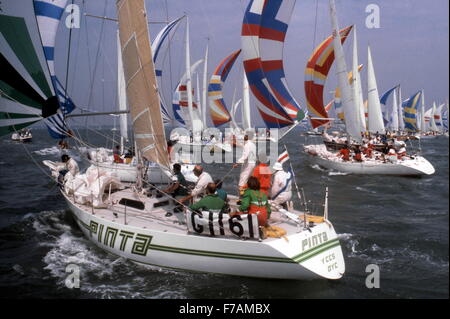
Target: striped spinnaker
{"points": [[274, 24], [48, 15], [156, 47], [410, 107], [271, 111], [28, 95], [316, 73], [217, 107]]}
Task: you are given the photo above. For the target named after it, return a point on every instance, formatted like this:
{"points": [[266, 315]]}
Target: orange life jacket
{"points": [[263, 174]]}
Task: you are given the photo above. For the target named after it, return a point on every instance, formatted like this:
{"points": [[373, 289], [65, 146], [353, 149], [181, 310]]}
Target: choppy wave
{"points": [[101, 274], [48, 151]]}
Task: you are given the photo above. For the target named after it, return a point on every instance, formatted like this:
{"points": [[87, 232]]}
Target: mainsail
{"points": [[180, 99], [352, 120], [271, 111], [141, 84], [376, 124], [218, 109], [438, 117]]}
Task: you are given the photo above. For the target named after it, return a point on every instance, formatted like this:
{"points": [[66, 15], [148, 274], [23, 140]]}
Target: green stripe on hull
{"points": [[298, 259]]}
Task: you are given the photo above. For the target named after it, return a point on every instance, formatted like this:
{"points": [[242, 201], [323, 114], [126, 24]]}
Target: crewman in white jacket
{"points": [[200, 187], [247, 160], [281, 191]]}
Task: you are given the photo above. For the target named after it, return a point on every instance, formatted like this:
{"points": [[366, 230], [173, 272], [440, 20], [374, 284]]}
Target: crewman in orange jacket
{"points": [[263, 173]]}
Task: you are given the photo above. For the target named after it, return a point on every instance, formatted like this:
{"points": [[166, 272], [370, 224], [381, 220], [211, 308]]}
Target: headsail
{"points": [[316, 73], [218, 109], [140, 79], [410, 107], [272, 112]]}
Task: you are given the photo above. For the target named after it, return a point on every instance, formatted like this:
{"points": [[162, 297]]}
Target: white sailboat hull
{"points": [[413, 167], [169, 246]]}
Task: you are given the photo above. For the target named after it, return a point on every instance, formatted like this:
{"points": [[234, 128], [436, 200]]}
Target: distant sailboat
{"points": [[414, 165]]}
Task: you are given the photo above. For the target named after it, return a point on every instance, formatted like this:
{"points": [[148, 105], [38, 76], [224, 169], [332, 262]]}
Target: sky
{"points": [[411, 46]]}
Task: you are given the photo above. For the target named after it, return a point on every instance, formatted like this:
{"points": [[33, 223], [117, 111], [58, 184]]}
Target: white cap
{"points": [[278, 166]]}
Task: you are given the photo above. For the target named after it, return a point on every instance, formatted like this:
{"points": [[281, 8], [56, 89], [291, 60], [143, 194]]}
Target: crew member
{"points": [[211, 202], [281, 191], [255, 202], [200, 187], [345, 154], [247, 160], [262, 173], [179, 184], [116, 154]]}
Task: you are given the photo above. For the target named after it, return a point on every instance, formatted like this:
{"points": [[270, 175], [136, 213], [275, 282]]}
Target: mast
{"points": [[205, 87], [356, 84], [394, 114], [401, 123], [121, 97], [422, 113], [141, 83], [375, 115], [351, 114], [188, 77], [246, 122]]}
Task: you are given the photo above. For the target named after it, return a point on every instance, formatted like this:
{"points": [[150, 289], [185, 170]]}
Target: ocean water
{"points": [[398, 223]]}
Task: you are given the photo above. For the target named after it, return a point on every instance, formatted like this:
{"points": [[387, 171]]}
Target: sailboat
{"points": [[134, 223], [354, 121], [190, 114]]}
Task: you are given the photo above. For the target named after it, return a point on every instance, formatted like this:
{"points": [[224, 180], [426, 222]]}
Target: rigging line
{"points": [[100, 134], [29, 153], [170, 55], [68, 63], [97, 55], [76, 57]]}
